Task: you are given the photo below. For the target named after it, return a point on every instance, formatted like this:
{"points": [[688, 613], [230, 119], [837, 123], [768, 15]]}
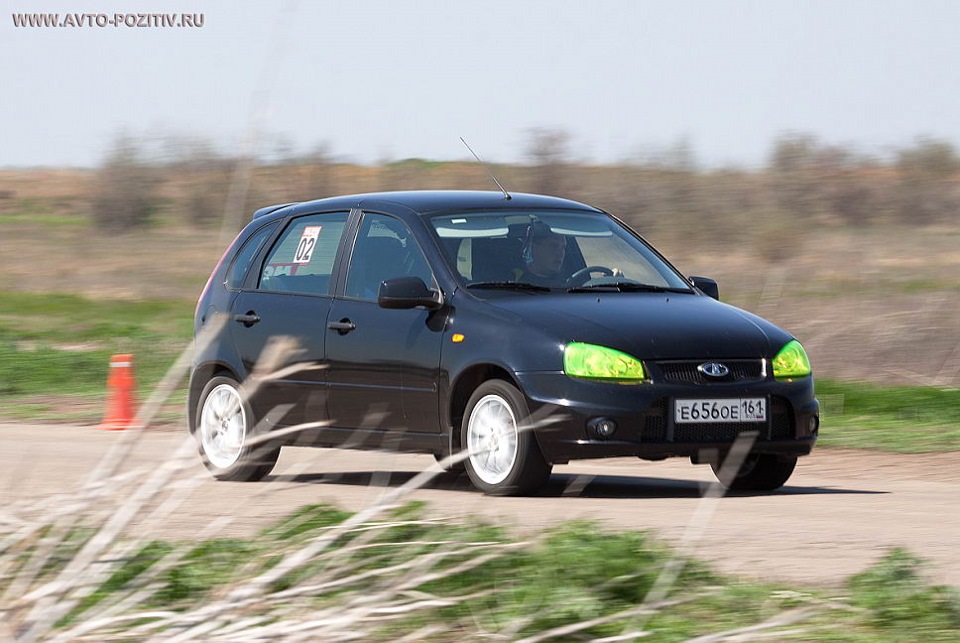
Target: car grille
{"points": [[685, 372], [780, 426]]}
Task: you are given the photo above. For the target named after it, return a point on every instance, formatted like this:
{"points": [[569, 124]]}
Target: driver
{"points": [[543, 253]]}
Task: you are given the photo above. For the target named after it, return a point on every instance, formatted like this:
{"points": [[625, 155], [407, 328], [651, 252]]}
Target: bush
{"points": [[126, 195]]}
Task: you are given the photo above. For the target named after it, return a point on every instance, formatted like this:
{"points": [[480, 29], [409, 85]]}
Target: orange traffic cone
{"points": [[120, 385]]}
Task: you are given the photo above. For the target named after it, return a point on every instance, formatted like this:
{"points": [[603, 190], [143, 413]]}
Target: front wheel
{"points": [[504, 456], [224, 432], [759, 472]]}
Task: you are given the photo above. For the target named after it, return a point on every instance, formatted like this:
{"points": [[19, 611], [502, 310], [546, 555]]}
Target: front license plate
{"points": [[750, 409]]}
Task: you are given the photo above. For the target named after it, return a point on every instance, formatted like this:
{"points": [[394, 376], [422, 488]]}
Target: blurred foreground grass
{"points": [[438, 580], [55, 352]]}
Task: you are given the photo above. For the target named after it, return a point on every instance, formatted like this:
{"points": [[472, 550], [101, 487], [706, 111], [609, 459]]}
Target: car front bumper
{"points": [[565, 412]]}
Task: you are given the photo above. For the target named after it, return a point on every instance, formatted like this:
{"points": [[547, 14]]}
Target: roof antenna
{"points": [[506, 195]]}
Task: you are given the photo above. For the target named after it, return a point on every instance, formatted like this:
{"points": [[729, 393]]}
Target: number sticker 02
{"points": [[308, 241]]}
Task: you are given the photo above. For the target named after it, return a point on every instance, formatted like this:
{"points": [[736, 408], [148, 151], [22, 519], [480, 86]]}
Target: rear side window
{"points": [[243, 259], [302, 259]]}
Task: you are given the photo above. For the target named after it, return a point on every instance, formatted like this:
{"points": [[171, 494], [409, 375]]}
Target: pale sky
{"points": [[386, 80]]}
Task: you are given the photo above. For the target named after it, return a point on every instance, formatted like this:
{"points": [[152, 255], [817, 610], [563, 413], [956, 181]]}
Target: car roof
{"points": [[430, 201]]}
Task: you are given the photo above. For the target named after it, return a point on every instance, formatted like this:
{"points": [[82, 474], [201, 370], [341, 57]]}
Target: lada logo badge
{"points": [[714, 369]]}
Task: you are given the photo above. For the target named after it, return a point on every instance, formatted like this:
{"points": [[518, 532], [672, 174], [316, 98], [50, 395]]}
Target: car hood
{"points": [[648, 325]]}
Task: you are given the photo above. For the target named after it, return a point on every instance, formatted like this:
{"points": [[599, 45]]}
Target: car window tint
{"points": [[302, 259], [241, 263], [385, 249]]}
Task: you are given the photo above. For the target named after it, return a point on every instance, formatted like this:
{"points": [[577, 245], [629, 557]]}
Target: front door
{"points": [[383, 364]]}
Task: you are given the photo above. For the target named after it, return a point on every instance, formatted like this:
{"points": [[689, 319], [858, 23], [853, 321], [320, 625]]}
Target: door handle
{"points": [[248, 319], [343, 326]]}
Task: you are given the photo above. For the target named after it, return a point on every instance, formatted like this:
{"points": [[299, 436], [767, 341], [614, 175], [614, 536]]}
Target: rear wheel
{"points": [[759, 472], [504, 456], [225, 434]]}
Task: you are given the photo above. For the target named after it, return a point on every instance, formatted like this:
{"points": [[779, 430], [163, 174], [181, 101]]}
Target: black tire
{"points": [[759, 472], [225, 434], [505, 459]]}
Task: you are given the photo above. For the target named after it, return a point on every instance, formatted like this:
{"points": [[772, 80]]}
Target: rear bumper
{"points": [[565, 408]]}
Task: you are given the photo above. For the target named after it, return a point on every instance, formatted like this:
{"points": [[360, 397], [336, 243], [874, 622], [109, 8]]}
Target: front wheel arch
{"points": [[463, 387]]}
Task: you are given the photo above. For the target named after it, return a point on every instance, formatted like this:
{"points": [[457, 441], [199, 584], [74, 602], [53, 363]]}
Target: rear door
{"points": [[278, 325]]}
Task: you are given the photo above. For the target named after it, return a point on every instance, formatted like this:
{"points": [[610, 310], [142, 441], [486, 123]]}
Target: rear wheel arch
{"points": [[198, 380]]}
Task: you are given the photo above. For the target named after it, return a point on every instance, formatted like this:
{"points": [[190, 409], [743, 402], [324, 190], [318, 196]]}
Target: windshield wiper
{"points": [[509, 285], [627, 286]]}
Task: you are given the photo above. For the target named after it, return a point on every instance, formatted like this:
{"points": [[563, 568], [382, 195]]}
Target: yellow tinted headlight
{"points": [[601, 363], [791, 361]]}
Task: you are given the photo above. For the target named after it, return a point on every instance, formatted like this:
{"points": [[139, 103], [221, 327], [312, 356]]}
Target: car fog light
{"points": [[603, 427], [814, 425]]}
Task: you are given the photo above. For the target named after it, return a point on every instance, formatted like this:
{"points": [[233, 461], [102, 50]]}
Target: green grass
{"points": [[909, 419], [926, 285], [896, 596], [55, 349], [46, 212], [575, 573]]}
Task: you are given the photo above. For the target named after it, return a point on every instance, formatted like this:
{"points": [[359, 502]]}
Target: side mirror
{"points": [[707, 286], [408, 292]]}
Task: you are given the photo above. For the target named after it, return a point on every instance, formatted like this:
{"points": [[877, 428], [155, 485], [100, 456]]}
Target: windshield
{"points": [[555, 250]]}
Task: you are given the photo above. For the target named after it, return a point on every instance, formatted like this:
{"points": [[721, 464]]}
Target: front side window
{"points": [[302, 260], [558, 250], [385, 249]]}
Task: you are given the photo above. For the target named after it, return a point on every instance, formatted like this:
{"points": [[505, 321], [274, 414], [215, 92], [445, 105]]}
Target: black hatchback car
{"points": [[525, 329]]}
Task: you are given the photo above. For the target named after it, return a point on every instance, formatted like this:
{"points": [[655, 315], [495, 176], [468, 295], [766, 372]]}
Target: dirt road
{"points": [[841, 511]]}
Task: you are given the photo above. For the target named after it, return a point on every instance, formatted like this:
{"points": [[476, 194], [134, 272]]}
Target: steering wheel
{"points": [[582, 276]]}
